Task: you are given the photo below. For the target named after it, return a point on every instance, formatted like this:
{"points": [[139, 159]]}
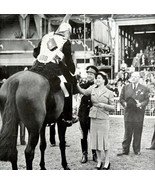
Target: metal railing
{"points": [[150, 108]]}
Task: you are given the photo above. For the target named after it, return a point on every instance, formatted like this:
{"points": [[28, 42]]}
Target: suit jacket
{"points": [[100, 95], [141, 93]]}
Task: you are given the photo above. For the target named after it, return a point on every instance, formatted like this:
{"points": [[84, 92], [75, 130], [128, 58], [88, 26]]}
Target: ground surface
{"points": [[146, 161]]}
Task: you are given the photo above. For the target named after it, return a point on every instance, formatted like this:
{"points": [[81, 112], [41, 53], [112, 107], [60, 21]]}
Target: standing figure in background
{"points": [[74, 34], [83, 114], [134, 98], [142, 58], [152, 147], [152, 95], [136, 62], [80, 33], [123, 65], [151, 57]]}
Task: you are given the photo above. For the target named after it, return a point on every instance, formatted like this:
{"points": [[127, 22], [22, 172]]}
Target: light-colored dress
{"points": [[99, 130]]}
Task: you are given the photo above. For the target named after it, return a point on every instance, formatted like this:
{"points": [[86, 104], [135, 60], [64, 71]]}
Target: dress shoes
{"points": [[151, 148], [107, 168], [137, 153], [67, 145], [84, 158], [95, 157], [123, 153], [99, 167]]}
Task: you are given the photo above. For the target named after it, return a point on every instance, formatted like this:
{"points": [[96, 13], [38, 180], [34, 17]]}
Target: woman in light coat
{"points": [[103, 103]]}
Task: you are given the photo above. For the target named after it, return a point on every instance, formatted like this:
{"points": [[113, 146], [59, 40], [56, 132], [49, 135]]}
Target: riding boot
{"points": [[84, 151], [67, 111], [74, 83]]}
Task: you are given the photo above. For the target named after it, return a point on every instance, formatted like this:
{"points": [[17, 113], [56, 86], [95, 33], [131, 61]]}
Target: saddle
{"points": [[50, 71]]}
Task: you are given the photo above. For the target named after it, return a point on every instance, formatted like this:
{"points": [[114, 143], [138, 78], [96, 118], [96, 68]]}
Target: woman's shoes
{"points": [[99, 167], [94, 157], [107, 168]]}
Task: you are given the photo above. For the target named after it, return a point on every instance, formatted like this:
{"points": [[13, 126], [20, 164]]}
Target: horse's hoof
{"points": [[66, 168]]}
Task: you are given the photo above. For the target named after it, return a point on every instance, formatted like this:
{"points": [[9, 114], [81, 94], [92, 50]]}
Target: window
{"points": [[78, 30]]}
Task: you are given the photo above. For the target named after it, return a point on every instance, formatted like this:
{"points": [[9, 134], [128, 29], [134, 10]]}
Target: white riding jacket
{"points": [[51, 40]]}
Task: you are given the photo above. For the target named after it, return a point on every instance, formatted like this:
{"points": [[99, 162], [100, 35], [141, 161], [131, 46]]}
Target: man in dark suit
{"points": [[152, 147], [152, 90], [84, 112], [134, 98]]}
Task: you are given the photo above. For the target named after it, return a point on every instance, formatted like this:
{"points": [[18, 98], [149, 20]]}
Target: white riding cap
{"points": [[65, 27]]}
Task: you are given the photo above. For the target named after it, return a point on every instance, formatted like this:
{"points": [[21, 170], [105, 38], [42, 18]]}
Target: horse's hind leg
{"points": [[22, 134], [30, 149], [61, 132], [13, 160], [42, 147]]}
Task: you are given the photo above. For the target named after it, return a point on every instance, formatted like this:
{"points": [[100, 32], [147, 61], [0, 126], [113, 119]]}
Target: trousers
{"points": [[132, 129], [85, 128]]}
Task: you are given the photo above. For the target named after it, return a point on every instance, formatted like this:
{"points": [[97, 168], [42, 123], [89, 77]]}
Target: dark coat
{"points": [[68, 56], [67, 66], [153, 140], [85, 105], [141, 93]]}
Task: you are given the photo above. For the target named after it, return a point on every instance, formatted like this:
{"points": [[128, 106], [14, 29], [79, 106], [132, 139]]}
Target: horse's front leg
{"points": [[61, 132], [42, 147]]}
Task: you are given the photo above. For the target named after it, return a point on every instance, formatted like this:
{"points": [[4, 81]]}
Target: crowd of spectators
{"points": [[136, 59], [147, 78], [139, 57], [122, 78], [78, 33]]}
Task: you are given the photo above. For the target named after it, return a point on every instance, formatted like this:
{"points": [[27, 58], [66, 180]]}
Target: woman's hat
{"points": [[92, 69], [104, 76]]}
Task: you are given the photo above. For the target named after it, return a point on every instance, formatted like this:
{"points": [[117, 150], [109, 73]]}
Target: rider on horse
{"points": [[54, 59]]}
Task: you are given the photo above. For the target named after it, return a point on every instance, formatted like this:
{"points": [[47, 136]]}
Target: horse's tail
{"points": [[9, 131]]}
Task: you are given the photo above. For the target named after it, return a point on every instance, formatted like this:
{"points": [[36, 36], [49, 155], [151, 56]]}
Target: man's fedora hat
{"points": [[91, 69]]}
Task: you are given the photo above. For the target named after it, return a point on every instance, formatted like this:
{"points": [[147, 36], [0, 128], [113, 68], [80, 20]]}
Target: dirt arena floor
{"points": [[146, 161]]}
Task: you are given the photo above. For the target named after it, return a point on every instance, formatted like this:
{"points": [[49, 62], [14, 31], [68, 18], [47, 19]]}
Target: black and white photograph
{"points": [[77, 91]]}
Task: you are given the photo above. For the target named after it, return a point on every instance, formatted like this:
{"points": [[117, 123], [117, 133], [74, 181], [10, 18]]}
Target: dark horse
{"points": [[26, 97]]}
